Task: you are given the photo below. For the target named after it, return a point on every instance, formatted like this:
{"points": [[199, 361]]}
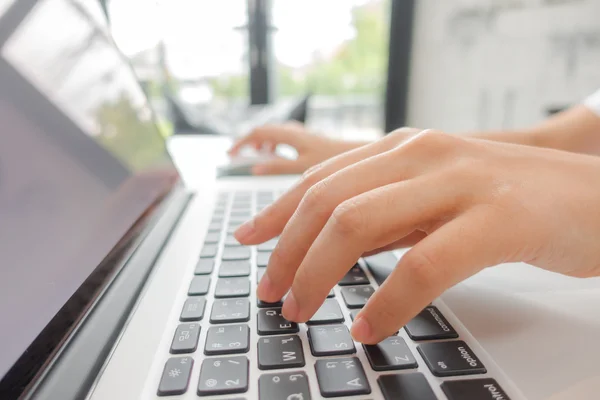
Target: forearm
{"points": [[576, 130]]}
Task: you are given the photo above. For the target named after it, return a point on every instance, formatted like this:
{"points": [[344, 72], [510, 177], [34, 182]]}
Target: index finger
{"points": [[270, 221]]}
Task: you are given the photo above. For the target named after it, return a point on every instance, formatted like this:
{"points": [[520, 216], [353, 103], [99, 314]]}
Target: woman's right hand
{"points": [[312, 149]]}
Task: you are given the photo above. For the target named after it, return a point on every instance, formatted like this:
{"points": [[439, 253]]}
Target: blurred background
{"points": [[360, 67]]}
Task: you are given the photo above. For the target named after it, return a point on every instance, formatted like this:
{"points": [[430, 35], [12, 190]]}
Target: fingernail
{"points": [[361, 330], [290, 307], [245, 230], [265, 288]]}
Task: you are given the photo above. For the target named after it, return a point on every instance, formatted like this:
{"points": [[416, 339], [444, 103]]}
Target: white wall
{"points": [[490, 64]]}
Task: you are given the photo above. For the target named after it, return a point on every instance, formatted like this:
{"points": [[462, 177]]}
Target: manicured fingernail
{"points": [[290, 307], [265, 288], [361, 330], [245, 230]]}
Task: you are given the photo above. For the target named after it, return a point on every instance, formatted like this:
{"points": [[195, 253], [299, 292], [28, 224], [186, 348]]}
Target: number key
{"points": [[224, 375], [228, 339], [231, 310], [292, 386]]}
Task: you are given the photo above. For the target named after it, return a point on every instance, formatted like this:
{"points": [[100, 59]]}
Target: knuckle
{"points": [[421, 269], [315, 199], [348, 219]]}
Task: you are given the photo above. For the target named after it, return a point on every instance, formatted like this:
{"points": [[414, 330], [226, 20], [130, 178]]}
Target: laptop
{"points": [[119, 277]]}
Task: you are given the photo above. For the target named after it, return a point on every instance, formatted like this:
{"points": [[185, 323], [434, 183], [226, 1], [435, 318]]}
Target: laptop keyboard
{"points": [[221, 303]]}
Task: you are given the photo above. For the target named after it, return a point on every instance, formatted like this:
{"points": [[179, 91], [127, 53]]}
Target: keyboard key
{"points": [[185, 339], [208, 251], [450, 358], [228, 339], [430, 324], [212, 238], [259, 273], [232, 228], [341, 377], [357, 296], [284, 386], [268, 245], [236, 221], [231, 241], [176, 376], [193, 309], [262, 304], [199, 286], [330, 340], [390, 354], [355, 276], [474, 389], [353, 314], [236, 253], [232, 287], [224, 375], [215, 227], [234, 268], [204, 266], [280, 352], [232, 310], [241, 212], [262, 259], [329, 312], [271, 322], [331, 294], [407, 387]]}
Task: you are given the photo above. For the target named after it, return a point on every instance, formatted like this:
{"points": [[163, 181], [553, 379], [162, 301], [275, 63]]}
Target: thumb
{"points": [[278, 165]]}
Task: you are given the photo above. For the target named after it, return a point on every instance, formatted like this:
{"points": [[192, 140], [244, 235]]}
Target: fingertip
{"points": [[362, 330]]}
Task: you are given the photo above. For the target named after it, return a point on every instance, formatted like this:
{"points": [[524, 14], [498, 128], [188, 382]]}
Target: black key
{"points": [[331, 294], [280, 352], [193, 309], [450, 358], [176, 376], [208, 251], [268, 245], [475, 389], [271, 322], [204, 266], [330, 340], [406, 387], [236, 253], [232, 287], [329, 312], [284, 386], [228, 339], [262, 304], [212, 238], [259, 273], [185, 339], [357, 296], [231, 241], [430, 324], [232, 310], [355, 276], [262, 259], [353, 314], [341, 377], [199, 286], [234, 268], [389, 354], [223, 375]]}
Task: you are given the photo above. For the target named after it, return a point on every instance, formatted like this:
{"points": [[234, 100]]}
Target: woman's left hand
{"points": [[464, 204]]}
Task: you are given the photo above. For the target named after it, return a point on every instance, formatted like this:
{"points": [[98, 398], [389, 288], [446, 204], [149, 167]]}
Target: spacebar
{"points": [[381, 265]]}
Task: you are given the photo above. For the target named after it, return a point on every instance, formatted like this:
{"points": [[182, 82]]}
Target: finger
{"points": [[275, 134], [407, 241], [449, 255], [270, 221], [316, 208], [368, 221], [278, 166]]}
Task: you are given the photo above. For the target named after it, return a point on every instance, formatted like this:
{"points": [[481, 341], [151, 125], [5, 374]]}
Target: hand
{"points": [[465, 204], [312, 149]]}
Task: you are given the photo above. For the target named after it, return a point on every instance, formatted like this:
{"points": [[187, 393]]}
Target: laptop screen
{"points": [[81, 160]]}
